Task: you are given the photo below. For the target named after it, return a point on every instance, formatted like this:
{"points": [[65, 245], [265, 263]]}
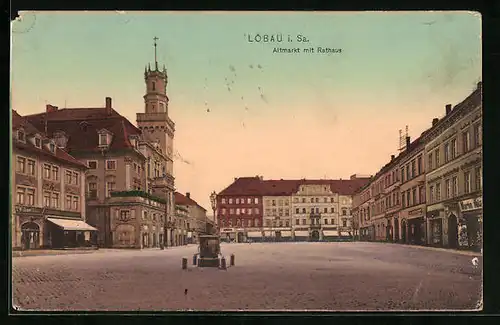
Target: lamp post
{"points": [[213, 202]]}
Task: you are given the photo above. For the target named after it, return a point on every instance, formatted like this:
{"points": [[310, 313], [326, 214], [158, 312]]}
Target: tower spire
{"points": [[156, 61]]}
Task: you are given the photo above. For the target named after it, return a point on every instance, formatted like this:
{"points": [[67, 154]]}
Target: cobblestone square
{"points": [[271, 276]]}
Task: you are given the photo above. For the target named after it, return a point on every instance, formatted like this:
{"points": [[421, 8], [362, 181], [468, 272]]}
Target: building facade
{"points": [[293, 210], [195, 224], [48, 190], [130, 181], [454, 175]]}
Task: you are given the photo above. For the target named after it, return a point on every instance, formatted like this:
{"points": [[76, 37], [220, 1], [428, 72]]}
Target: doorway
{"points": [[403, 231], [278, 235], [452, 231], [315, 235], [240, 237], [30, 235], [396, 230]]}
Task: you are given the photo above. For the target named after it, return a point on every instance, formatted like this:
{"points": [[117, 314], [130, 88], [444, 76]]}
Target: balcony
{"points": [[137, 196]]}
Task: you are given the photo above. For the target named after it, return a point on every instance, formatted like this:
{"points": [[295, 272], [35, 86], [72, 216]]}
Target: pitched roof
{"points": [[82, 125], [18, 121], [181, 199], [257, 186]]}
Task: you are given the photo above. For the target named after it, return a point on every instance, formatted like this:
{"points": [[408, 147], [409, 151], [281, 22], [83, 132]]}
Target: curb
{"points": [[436, 249]]}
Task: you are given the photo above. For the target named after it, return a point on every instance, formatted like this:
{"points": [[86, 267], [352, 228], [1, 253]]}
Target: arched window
{"points": [[153, 86]]}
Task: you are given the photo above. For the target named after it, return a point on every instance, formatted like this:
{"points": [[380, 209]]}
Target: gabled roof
{"points": [[82, 125], [181, 199], [20, 122], [257, 186]]}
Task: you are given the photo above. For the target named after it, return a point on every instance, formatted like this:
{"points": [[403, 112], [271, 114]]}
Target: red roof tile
{"points": [[60, 154], [256, 186], [181, 199], [82, 124]]}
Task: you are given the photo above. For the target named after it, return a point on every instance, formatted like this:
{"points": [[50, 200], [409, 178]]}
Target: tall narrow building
{"points": [[158, 128]]}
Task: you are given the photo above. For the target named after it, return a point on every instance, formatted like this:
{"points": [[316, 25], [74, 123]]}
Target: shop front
{"points": [[470, 230], [70, 233]]}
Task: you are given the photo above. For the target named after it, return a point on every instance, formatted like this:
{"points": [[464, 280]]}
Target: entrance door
{"points": [[278, 235], [396, 230], [403, 231], [315, 235], [452, 231], [240, 237], [30, 235]]}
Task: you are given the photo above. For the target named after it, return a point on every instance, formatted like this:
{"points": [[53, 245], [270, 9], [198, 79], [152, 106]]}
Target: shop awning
{"points": [[330, 233], [254, 234], [286, 233], [344, 233], [68, 224], [301, 234]]}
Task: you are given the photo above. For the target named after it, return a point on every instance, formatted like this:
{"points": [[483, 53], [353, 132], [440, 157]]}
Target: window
{"points": [[419, 165], [303, 200], [55, 173], [297, 210], [478, 178], [281, 223], [332, 221], [237, 201], [303, 210], [231, 211], [256, 210], [436, 158], [407, 172], [421, 194], [93, 190], [238, 211], [287, 212], [38, 142], [153, 86], [297, 221], [249, 211], [454, 184], [68, 177], [46, 199], [429, 161], [312, 200], [223, 201], [111, 164], [249, 201], [477, 134], [68, 202], [103, 139], [453, 148], [92, 164], [326, 221], [344, 212], [438, 191], [344, 223], [52, 147], [46, 171], [467, 182], [21, 136], [21, 165], [303, 221], [447, 185], [230, 201], [325, 210], [55, 200], [75, 178], [431, 192], [413, 169], [332, 210], [274, 202], [446, 152], [110, 187], [256, 201], [408, 198], [403, 199], [331, 200], [312, 210], [414, 196], [466, 141], [31, 167], [25, 195], [325, 199]]}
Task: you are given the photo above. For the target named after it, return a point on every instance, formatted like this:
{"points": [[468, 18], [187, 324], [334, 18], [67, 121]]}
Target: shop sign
{"points": [[227, 229], [415, 212], [22, 209], [471, 204]]}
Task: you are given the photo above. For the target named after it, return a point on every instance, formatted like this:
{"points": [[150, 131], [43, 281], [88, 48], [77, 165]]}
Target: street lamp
{"points": [[213, 202]]}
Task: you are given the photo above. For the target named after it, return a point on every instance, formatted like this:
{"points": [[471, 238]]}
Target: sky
{"points": [[239, 108]]}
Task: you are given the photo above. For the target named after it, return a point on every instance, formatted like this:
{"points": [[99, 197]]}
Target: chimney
{"points": [[407, 143], [50, 108], [392, 157], [108, 105], [448, 109], [188, 195], [434, 121]]}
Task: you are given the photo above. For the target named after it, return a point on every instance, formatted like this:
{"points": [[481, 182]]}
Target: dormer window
{"points": [[52, 147], [104, 138], [38, 142], [21, 136], [61, 139], [134, 141]]}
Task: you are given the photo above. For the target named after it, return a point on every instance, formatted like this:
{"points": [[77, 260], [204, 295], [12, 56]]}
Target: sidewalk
{"points": [[438, 249]]}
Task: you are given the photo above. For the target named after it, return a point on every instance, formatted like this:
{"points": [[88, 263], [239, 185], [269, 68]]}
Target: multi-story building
{"points": [[48, 190], [130, 181], [240, 209], [453, 153], [392, 199], [292, 209], [182, 214], [412, 209], [197, 222], [361, 210]]}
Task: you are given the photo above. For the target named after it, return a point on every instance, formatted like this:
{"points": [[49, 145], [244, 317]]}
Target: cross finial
{"points": [[156, 62]]}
